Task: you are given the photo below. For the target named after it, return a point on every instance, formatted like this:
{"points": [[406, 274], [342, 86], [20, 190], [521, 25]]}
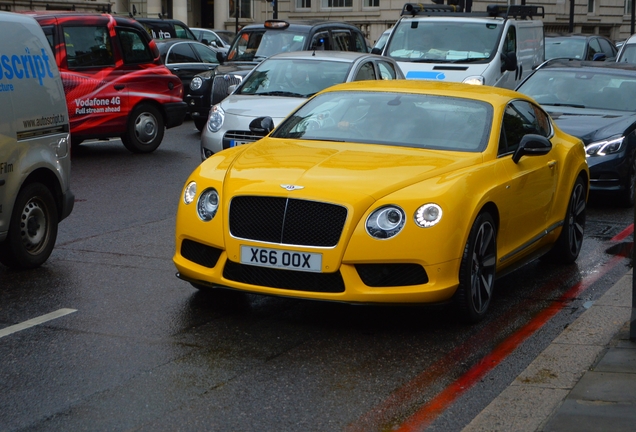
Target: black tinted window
{"points": [[88, 46], [181, 53], [133, 47], [522, 118]]}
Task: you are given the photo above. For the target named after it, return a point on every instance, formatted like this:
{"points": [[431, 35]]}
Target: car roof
{"points": [[609, 67], [343, 56], [300, 24], [119, 19]]}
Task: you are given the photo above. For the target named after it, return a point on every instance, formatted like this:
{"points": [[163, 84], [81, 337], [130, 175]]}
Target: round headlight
{"points": [[428, 215], [208, 204], [196, 83], [385, 222], [190, 192], [217, 115]]}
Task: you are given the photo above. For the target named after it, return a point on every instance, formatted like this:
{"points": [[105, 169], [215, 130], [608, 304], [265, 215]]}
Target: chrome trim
{"points": [[532, 241]]}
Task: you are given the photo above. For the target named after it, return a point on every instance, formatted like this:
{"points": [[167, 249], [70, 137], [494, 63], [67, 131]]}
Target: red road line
{"points": [[430, 411]]}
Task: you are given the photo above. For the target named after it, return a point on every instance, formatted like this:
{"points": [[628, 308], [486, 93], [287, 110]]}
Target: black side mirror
{"points": [[205, 41], [220, 57], [508, 62], [532, 145], [376, 51], [262, 125], [599, 57]]}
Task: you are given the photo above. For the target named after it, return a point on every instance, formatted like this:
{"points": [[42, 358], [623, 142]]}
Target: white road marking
{"points": [[35, 321]]}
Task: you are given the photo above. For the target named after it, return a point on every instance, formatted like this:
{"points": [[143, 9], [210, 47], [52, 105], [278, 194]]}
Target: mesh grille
{"points": [[287, 221], [201, 254], [220, 86], [284, 279], [385, 275]]}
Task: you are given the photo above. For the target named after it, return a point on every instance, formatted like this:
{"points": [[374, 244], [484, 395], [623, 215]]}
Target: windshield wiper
{"points": [[469, 60], [280, 93], [428, 60], [564, 104]]}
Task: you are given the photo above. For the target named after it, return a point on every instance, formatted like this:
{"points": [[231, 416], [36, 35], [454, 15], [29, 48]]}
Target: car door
{"points": [[532, 181]]}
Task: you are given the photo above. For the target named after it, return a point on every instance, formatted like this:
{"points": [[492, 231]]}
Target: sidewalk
{"points": [[584, 381]]}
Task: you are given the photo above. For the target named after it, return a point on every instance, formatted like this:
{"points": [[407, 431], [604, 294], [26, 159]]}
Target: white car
{"points": [[280, 84]]}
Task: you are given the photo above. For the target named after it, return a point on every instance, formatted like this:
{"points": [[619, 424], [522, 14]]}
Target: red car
{"points": [[115, 82]]}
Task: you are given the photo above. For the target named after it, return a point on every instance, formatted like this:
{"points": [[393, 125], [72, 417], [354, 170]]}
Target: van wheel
{"points": [[200, 124], [32, 229], [477, 270], [145, 129], [75, 143]]}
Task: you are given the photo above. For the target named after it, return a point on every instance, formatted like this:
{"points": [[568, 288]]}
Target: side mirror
{"points": [[532, 145], [262, 125], [205, 41], [376, 51], [599, 57], [508, 62], [220, 57]]}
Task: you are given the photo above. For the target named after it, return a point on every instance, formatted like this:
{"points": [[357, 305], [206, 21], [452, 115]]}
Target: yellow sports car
{"points": [[387, 192]]}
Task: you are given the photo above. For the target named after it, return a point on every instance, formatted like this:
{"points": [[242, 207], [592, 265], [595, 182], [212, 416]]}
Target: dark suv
{"points": [[165, 28], [256, 42]]}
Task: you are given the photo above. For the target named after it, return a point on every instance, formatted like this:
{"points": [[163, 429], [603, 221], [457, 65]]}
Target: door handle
{"points": [[119, 86], [552, 164]]}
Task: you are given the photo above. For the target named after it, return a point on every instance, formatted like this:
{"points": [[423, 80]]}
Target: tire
{"points": [[477, 270], [145, 129], [200, 124], [567, 247], [32, 229], [75, 143]]}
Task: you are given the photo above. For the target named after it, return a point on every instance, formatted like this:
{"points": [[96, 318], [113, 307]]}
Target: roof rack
{"points": [[456, 7]]}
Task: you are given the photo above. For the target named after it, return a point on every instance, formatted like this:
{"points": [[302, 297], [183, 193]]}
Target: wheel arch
{"points": [[49, 180]]}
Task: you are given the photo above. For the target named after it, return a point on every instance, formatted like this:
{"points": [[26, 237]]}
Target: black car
{"points": [[166, 28], [186, 58], [596, 102], [579, 46], [256, 42]]}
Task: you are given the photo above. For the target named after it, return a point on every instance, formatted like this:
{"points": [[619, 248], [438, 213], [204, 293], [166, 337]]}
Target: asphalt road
{"points": [[135, 348]]}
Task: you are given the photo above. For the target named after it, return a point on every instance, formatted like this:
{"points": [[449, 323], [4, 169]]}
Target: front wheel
{"points": [[32, 229], [477, 270], [568, 245], [145, 129], [200, 124]]}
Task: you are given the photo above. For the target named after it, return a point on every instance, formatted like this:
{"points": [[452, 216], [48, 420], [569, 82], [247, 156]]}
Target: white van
{"points": [[34, 144], [498, 47]]}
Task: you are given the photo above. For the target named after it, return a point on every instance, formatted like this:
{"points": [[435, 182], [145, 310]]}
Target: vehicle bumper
{"points": [[175, 113], [608, 173], [198, 106]]}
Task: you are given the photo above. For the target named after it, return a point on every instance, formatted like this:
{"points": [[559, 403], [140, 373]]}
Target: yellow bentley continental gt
{"points": [[387, 192]]}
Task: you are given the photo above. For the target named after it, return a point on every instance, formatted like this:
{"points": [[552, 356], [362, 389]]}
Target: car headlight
{"points": [[196, 83], [385, 222], [474, 80], [215, 121], [605, 147], [428, 215], [190, 192], [208, 204]]}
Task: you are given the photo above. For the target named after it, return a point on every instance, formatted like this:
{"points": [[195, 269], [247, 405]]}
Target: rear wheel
{"points": [[32, 230], [145, 129], [477, 270], [568, 245]]}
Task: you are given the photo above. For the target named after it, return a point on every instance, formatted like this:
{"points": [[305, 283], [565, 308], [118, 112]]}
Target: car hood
{"points": [[592, 125], [276, 107], [331, 171], [237, 68]]}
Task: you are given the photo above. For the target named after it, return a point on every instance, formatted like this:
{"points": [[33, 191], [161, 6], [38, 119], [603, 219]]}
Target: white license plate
{"points": [[282, 259], [234, 143]]}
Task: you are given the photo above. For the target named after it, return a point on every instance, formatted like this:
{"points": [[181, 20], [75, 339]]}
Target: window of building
{"points": [[244, 8], [372, 3], [303, 4], [337, 3], [590, 6]]}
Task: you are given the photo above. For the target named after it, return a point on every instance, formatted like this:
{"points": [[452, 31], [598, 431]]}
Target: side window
{"points": [[134, 47], [387, 71], [88, 46], [607, 48], [341, 40], [366, 72], [207, 55], [182, 32], [510, 43], [320, 41], [361, 45], [48, 32], [594, 48], [181, 53], [522, 118]]}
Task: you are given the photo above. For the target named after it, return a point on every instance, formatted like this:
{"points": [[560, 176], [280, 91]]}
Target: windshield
{"points": [[628, 55], [396, 119], [293, 77], [582, 89], [260, 44], [564, 48], [438, 41]]}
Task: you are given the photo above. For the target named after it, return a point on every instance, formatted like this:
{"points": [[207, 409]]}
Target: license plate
{"points": [[234, 143], [282, 259]]}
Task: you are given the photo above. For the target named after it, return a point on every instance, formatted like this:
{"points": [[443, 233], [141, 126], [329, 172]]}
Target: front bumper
{"points": [[609, 173], [175, 113], [198, 106]]}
